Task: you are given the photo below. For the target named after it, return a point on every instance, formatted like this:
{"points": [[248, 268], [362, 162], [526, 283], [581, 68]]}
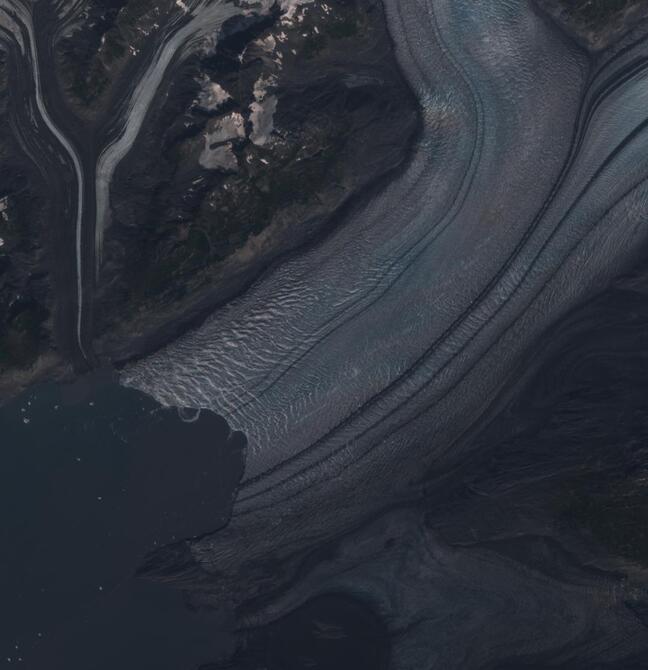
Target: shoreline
{"points": [[157, 326]]}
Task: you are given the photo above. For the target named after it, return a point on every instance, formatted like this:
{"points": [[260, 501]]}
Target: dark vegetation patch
{"points": [[597, 13], [23, 293], [600, 423], [613, 507], [567, 457], [597, 23], [96, 52], [339, 96], [328, 632], [21, 337]]}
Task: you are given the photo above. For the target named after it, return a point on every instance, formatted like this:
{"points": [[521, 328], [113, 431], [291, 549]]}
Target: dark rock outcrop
{"points": [[596, 24], [93, 54], [26, 300], [251, 147], [258, 144]]}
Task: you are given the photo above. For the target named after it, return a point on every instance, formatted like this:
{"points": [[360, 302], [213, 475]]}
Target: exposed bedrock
{"points": [[98, 43], [361, 364], [252, 148], [534, 549], [192, 144], [37, 189], [596, 24]]}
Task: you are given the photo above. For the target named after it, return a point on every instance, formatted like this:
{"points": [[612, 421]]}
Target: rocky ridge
{"points": [[27, 324], [596, 24], [259, 142], [252, 146]]}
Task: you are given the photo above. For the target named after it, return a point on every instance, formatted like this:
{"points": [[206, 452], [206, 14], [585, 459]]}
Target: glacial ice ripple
{"points": [[387, 340]]}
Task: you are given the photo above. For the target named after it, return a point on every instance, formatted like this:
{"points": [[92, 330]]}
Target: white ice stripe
{"points": [[8, 25], [79, 173], [26, 19], [385, 317], [206, 18]]}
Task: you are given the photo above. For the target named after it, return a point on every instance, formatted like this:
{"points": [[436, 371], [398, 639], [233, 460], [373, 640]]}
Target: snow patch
{"points": [[268, 44], [217, 153], [229, 127], [261, 86], [262, 111], [219, 158], [290, 9], [262, 118], [212, 95]]}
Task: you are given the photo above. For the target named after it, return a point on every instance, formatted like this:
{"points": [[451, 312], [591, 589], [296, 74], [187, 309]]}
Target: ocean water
{"points": [[93, 478]]}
